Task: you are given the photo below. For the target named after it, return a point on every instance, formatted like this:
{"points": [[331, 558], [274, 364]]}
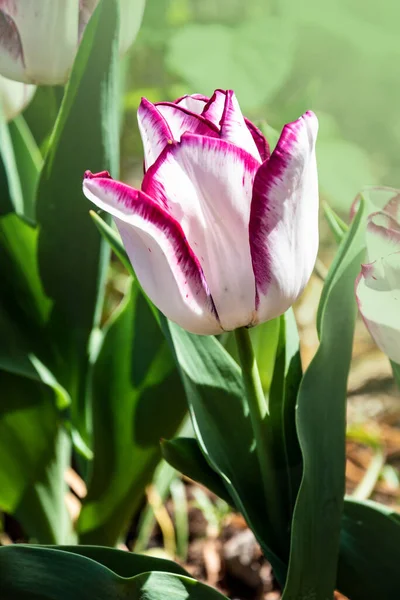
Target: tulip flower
{"points": [[14, 97], [222, 234], [378, 285], [39, 38]]}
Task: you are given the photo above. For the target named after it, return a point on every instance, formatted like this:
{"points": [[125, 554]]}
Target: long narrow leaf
{"points": [[321, 414], [73, 259]]}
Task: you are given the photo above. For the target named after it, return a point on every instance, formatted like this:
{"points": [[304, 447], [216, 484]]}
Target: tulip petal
{"points": [[214, 109], [181, 120], [376, 198], [11, 53], [259, 140], [378, 297], [14, 96], [224, 103], [49, 33], [86, 8], [234, 128], [131, 18], [207, 185], [195, 103], [284, 219], [154, 131], [392, 208], [382, 235], [163, 261]]}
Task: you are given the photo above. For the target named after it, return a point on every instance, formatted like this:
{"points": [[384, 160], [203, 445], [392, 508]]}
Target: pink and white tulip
{"points": [[14, 97], [222, 234], [39, 38], [378, 285]]}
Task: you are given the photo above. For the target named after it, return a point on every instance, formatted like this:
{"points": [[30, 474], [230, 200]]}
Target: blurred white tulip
{"points": [[39, 38], [14, 97]]}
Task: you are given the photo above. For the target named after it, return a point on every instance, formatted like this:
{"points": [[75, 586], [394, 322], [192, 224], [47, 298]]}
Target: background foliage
{"points": [[282, 58]]}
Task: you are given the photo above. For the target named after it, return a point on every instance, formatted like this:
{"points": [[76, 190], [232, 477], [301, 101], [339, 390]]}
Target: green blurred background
{"points": [[283, 57]]}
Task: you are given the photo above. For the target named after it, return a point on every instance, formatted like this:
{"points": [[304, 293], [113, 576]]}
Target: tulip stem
{"points": [[259, 416]]}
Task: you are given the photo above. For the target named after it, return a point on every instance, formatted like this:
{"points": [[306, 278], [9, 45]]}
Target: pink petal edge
{"points": [[154, 131], [124, 202], [267, 213], [180, 120]]}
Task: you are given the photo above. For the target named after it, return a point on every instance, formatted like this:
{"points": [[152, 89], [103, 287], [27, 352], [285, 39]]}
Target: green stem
{"points": [[258, 409]]}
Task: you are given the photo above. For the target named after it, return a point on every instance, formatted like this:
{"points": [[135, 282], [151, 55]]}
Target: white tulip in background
{"points": [[39, 38], [14, 97], [378, 285]]}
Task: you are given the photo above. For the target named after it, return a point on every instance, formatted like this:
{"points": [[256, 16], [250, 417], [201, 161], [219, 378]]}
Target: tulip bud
{"points": [[39, 38], [222, 234], [14, 97], [378, 285]]}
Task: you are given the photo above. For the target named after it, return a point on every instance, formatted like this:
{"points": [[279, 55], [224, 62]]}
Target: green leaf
{"points": [[214, 56], [22, 291], [11, 198], [164, 586], [43, 511], [330, 280], [41, 113], [17, 357], [321, 417], [337, 226], [24, 307], [79, 572], [217, 404], [186, 456], [124, 564], [285, 385], [28, 429], [139, 399], [19, 172], [369, 552], [73, 259], [66, 573], [29, 162]]}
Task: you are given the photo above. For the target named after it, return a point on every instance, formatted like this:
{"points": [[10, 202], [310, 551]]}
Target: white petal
{"points": [[154, 131], [48, 33], [284, 219], [181, 121], [382, 236], [164, 263], [195, 103], [131, 15], [375, 198], [214, 108], [378, 296], [234, 128], [392, 208], [207, 185], [14, 96]]}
